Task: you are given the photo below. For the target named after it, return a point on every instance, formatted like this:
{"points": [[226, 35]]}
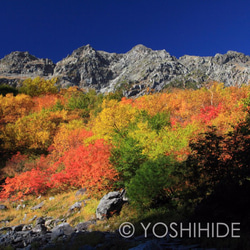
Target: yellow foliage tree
{"points": [[35, 131], [39, 86], [113, 118], [14, 107]]}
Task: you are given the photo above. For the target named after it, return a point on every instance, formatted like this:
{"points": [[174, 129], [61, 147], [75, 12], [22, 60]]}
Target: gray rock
{"points": [[40, 228], [40, 221], [38, 206], [27, 227], [59, 221], [32, 219], [83, 226], [77, 206], [62, 229], [50, 223], [110, 203], [3, 207], [26, 64]]}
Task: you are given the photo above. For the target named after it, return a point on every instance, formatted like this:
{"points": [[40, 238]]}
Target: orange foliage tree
{"points": [[14, 107], [47, 101], [34, 181], [85, 166], [69, 135]]}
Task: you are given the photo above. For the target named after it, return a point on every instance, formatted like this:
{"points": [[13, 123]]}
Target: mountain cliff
{"points": [[134, 72]]}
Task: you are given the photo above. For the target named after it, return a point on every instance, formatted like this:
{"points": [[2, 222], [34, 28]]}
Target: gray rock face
{"points": [[20, 65], [86, 67], [107, 72], [231, 68], [26, 64], [135, 72], [109, 204]]}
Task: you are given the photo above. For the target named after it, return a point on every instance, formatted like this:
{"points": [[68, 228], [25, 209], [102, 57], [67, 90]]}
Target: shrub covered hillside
{"points": [[172, 148]]}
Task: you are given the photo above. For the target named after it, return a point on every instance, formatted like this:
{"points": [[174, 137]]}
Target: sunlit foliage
{"points": [[105, 141], [39, 86]]}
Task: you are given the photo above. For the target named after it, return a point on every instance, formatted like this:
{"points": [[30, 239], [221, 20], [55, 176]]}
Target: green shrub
{"points": [[127, 157], [5, 89], [155, 122], [151, 183], [87, 102]]}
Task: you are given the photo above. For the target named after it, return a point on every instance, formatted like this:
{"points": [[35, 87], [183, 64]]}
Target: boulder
{"points": [[50, 223], [5, 229], [110, 204], [76, 206], [62, 229], [83, 226], [40, 228]]}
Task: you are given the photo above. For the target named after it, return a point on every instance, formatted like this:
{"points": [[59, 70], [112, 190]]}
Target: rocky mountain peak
{"points": [[143, 51], [19, 55], [134, 72], [20, 65], [84, 51], [231, 57], [140, 48]]}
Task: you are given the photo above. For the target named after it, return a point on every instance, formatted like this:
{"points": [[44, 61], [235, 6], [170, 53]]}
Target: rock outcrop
{"points": [[109, 204], [139, 70], [20, 65]]}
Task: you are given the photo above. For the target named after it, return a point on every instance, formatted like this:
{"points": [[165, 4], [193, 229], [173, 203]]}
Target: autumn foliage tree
{"points": [[113, 118], [69, 135], [14, 107], [15, 165], [217, 159], [34, 181], [85, 166], [93, 140], [39, 86], [34, 131]]}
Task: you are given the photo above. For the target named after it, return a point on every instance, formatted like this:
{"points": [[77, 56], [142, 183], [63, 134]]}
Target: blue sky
{"points": [[53, 29]]}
